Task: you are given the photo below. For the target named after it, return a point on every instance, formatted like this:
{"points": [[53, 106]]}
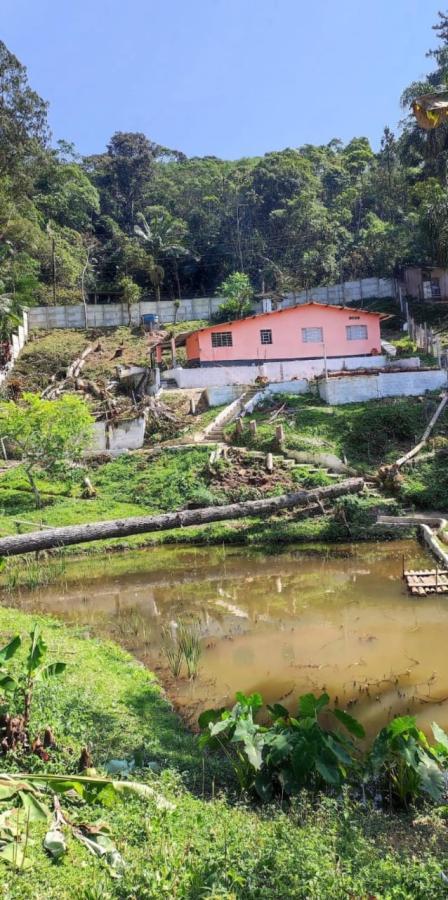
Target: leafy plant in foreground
{"points": [[407, 764], [292, 753], [30, 795], [20, 688]]}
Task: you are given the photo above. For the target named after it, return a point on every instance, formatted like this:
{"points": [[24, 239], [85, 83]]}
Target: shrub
{"points": [[293, 753]]}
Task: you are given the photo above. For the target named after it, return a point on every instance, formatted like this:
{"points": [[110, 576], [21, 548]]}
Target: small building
{"points": [[306, 332], [425, 282]]}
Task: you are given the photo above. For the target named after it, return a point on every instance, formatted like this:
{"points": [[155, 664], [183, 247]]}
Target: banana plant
{"points": [[31, 798], [35, 668]]}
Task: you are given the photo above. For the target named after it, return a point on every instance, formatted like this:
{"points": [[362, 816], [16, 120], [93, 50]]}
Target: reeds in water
{"points": [[189, 638], [182, 643]]}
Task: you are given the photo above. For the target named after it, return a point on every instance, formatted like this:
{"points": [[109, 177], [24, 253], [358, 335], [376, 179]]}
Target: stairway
{"points": [[214, 434]]}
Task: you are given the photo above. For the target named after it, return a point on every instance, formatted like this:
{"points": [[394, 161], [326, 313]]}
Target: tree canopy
{"points": [[178, 227]]}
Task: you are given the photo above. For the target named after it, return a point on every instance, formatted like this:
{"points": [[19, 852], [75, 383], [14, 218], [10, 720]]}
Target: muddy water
{"points": [[283, 623]]}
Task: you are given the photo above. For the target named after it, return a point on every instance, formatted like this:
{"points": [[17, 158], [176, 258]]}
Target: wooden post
{"points": [[279, 435], [269, 463], [239, 428], [253, 427], [173, 351], [192, 406]]}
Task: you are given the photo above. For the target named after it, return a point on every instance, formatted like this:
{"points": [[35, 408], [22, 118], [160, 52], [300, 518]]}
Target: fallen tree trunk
{"points": [[424, 440], [117, 528]]}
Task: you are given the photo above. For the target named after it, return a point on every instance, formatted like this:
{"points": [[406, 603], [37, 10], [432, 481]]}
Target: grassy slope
{"points": [[205, 847], [367, 434]]}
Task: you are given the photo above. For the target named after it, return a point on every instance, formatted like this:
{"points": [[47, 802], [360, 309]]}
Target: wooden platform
{"points": [[428, 581]]}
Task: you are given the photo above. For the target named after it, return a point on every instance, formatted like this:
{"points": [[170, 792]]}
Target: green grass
{"points": [[366, 434], [425, 484], [210, 844]]}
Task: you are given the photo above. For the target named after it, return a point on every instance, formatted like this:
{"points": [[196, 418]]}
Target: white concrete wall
{"points": [[118, 438], [341, 389], [110, 315], [299, 386], [214, 376], [18, 341], [345, 292], [226, 393]]}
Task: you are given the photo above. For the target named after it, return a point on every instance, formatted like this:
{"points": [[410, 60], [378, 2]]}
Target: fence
{"points": [[111, 315], [346, 292], [425, 338], [18, 340]]}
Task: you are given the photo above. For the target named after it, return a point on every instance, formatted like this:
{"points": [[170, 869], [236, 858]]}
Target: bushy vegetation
{"points": [[140, 217], [366, 434], [425, 484], [297, 751], [191, 837]]}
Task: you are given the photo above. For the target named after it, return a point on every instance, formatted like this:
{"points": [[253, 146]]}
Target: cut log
{"points": [[253, 427], [117, 528], [75, 368], [415, 450]]}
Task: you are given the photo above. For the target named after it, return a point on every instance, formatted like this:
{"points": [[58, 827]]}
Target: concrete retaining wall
{"points": [[226, 393], [342, 389], [214, 376], [118, 438], [226, 415], [345, 292], [431, 539], [18, 341], [111, 315]]}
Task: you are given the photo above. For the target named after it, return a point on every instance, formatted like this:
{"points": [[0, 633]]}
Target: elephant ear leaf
{"points": [[328, 772], [431, 779], [10, 649], [440, 735], [310, 705], [351, 724]]}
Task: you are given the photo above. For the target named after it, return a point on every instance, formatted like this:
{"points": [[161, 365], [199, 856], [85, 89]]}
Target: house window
{"points": [[356, 332], [266, 336], [313, 335], [222, 339]]}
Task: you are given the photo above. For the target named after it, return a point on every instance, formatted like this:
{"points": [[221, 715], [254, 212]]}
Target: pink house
{"points": [[310, 331]]}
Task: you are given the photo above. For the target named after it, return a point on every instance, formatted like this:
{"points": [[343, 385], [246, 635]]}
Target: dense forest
{"points": [[144, 219]]}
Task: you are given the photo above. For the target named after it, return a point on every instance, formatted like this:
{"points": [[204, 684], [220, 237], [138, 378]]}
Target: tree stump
{"points": [[253, 428], [279, 435]]}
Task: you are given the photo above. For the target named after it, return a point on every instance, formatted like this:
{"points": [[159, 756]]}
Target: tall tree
{"points": [[23, 115]]}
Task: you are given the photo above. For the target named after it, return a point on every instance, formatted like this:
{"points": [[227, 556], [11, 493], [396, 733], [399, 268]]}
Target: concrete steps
{"points": [[215, 432]]}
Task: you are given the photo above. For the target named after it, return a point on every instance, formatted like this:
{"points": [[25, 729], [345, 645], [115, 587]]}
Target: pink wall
{"points": [[287, 342]]}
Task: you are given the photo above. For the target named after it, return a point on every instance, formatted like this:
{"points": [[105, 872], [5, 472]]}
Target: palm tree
{"points": [[163, 234]]}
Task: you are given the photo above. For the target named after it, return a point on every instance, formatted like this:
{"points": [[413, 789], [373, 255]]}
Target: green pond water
{"points": [[283, 622]]}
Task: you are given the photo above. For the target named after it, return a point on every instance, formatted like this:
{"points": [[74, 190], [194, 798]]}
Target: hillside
{"points": [[141, 218]]}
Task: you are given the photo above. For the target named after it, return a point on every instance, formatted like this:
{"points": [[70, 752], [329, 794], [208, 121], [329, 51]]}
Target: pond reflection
{"points": [[295, 620]]}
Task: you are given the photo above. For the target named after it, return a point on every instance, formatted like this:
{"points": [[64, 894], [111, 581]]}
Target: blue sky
{"points": [[228, 78]]}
